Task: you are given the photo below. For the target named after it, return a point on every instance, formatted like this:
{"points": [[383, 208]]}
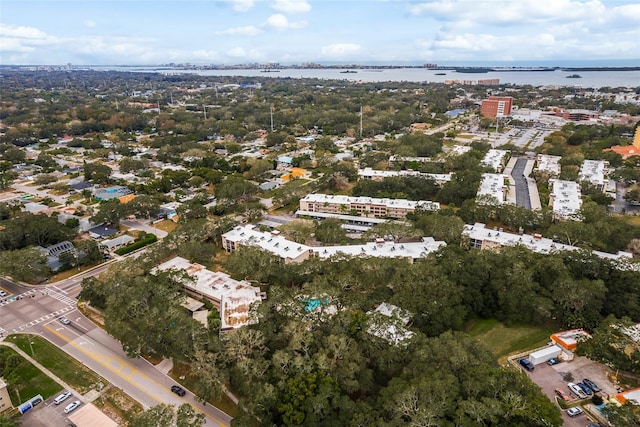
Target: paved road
{"points": [[33, 189], [37, 310], [522, 186]]}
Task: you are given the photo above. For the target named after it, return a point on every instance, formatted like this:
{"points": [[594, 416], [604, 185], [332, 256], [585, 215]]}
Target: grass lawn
{"points": [[183, 370], [166, 225], [60, 363], [118, 405], [26, 380], [505, 340]]}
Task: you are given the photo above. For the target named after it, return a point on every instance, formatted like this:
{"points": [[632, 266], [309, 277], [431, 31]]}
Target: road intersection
{"points": [[37, 310]]}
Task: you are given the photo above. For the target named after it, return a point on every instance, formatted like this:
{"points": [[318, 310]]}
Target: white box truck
{"points": [[541, 356]]}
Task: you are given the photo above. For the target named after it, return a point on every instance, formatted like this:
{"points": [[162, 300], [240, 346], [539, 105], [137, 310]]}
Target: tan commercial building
{"points": [[5, 400]]}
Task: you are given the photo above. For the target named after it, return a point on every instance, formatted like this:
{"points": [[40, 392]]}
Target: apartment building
{"points": [[495, 186], [379, 175], [364, 206], [549, 164], [565, 198], [594, 172], [495, 159]]}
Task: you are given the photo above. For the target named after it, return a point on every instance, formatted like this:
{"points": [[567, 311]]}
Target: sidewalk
{"points": [[46, 371]]}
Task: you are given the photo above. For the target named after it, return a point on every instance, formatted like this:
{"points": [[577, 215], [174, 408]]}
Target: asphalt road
{"points": [[37, 310], [522, 187]]}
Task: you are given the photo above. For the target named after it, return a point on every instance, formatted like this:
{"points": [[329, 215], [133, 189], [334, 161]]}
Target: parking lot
{"points": [[48, 414], [551, 377]]}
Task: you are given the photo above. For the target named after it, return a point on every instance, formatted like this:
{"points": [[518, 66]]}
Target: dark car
{"points": [[585, 388], [591, 385], [553, 361], [178, 390], [526, 364]]}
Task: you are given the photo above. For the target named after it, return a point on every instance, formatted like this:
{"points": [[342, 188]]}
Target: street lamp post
{"points": [[31, 347]]}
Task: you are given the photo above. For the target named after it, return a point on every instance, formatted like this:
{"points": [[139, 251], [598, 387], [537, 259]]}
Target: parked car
{"points": [[585, 388], [564, 396], [71, 406], [575, 389], [574, 412], [62, 397], [178, 390], [553, 361], [526, 364], [591, 385], [2, 293]]}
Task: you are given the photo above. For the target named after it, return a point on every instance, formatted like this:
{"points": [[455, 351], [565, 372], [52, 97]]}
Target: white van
{"points": [[62, 397]]}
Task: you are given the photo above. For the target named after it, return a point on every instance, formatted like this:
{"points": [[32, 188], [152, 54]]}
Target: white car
{"points": [[575, 389], [71, 406], [64, 321], [2, 293], [62, 397], [574, 412]]}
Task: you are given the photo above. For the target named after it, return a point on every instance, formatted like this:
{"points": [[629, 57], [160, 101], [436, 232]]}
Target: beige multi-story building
{"points": [[364, 206], [5, 400]]}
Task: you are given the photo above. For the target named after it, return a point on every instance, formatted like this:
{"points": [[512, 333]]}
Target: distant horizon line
{"points": [[414, 63]]}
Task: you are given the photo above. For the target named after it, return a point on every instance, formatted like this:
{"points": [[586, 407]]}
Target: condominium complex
{"points": [[378, 175], [565, 198], [290, 252], [364, 206], [495, 186], [549, 164], [594, 172], [495, 159], [231, 297], [482, 237]]}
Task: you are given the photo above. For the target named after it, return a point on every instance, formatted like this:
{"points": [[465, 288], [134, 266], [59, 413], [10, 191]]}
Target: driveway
{"points": [[551, 377]]}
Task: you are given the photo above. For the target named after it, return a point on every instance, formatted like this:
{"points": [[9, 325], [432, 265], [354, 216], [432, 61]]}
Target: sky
{"points": [[152, 32]]}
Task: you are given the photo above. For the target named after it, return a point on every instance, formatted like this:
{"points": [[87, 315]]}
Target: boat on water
{"points": [[348, 72], [440, 74], [574, 76], [269, 71]]}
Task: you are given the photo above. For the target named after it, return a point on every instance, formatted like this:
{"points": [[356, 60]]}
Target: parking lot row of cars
{"points": [[71, 406]]}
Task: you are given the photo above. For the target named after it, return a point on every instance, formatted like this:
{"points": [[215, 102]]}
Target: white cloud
{"points": [[237, 52], [291, 6], [279, 22], [89, 23], [248, 30], [340, 50], [510, 12], [21, 32], [241, 5]]}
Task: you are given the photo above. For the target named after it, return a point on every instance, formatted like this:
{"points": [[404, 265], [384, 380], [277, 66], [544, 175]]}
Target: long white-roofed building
{"points": [[565, 198], [493, 185], [594, 172], [495, 159], [364, 206], [379, 175]]}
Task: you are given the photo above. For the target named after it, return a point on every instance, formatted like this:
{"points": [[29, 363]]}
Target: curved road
{"points": [[36, 310]]}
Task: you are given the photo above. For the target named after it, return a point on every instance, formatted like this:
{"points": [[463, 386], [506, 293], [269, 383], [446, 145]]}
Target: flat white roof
{"points": [[535, 243], [388, 322], [413, 250], [493, 185], [593, 171], [374, 173], [460, 149], [235, 297], [350, 218], [389, 203], [494, 158], [549, 164], [276, 244], [566, 198]]}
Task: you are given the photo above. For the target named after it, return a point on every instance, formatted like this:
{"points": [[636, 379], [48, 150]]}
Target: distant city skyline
{"points": [[142, 32]]}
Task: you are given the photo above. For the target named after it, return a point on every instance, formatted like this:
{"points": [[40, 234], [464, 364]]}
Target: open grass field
{"points": [[78, 376], [503, 340], [24, 380]]}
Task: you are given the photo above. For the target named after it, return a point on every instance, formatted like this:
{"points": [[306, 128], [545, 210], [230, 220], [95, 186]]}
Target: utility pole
{"points": [[271, 110], [361, 122]]}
